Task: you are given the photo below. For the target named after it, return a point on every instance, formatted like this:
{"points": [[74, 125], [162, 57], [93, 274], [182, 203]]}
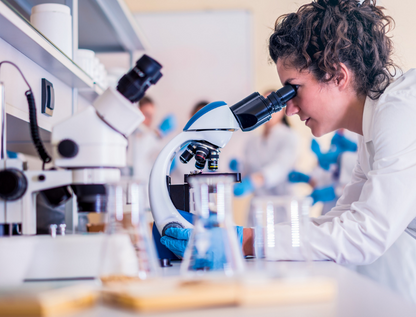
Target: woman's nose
{"points": [[291, 108]]}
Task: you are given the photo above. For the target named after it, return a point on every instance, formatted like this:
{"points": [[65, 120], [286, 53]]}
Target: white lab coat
{"points": [[274, 157], [374, 223], [144, 147]]}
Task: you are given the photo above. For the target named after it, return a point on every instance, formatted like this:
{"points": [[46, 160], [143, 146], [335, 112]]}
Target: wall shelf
{"points": [[91, 93], [22, 36], [103, 25]]}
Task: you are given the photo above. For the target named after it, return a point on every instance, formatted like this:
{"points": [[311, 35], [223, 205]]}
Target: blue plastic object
{"points": [[324, 194], [244, 188], [167, 125], [298, 177]]}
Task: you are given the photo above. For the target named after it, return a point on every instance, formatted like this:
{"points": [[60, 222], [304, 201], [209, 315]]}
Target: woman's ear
{"points": [[343, 78]]}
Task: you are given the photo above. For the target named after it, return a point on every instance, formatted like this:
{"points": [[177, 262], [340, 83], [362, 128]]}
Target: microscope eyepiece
{"points": [[255, 110], [145, 73]]}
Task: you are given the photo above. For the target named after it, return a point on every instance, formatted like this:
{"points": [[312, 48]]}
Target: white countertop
{"points": [[357, 296]]}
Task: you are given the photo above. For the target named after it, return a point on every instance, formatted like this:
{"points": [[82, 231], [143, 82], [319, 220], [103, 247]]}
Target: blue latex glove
{"points": [[325, 159], [167, 125], [176, 240], [342, 143], [244, 188], [331, 157], [315, 147], [298, 177], [11, 155], [234, 165], [324, 194]]}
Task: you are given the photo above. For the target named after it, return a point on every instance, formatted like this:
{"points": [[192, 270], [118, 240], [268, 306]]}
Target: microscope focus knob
{"points": [[13, 184], [68, 148]]}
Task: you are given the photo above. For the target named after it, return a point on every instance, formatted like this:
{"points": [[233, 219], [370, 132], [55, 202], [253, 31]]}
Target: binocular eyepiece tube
{"points": [[254, 110]]}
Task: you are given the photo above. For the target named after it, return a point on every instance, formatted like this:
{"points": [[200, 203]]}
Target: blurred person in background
{"points": [[333, 170], [268, 159], [145, 142]]}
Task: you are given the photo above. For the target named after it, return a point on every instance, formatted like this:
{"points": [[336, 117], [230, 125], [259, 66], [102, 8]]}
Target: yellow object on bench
{"points": [[46, 300], [175, 294]]}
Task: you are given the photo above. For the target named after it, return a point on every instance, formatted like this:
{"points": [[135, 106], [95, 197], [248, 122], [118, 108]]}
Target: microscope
{"points": [[209, 130], [89, 149]]}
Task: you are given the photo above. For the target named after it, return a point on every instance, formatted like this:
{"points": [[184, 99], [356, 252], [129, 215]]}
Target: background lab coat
{"points": [[144, 147], [373, 220], [274, 157]]}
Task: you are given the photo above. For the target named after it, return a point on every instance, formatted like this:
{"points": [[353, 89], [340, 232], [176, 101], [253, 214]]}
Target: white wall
{"points": [[206, 55]]}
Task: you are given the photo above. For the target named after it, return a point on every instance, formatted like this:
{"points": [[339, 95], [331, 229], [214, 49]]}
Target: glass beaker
{"points": [[128, 249], [281, 228], [213, 245]]}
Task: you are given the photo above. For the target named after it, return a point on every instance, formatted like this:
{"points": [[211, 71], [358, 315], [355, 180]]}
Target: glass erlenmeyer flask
{"points": [[213, 245], [128, 249]]}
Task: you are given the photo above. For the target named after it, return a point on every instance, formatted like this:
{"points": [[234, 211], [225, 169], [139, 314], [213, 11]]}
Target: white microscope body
{"points": [[213, 127], [88, 148], [99, 135], [215, 124]]}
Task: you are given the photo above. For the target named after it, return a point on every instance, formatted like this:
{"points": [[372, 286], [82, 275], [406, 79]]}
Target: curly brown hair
{"points": [[325, 33]]}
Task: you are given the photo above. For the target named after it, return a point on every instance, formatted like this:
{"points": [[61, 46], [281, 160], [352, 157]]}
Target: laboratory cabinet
{"points": [[38, 58]]}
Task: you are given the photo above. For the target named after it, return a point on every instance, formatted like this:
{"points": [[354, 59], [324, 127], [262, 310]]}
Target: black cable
{"points": [[34, 129], [33, 122]]}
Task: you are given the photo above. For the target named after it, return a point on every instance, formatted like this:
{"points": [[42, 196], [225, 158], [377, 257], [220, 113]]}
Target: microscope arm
{"points": [[164, 212]]}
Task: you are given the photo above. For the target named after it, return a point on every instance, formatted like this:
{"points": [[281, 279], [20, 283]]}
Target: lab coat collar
{"points": [[369, 106]]}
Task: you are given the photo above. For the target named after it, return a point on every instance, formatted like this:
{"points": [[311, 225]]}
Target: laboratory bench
{"points": [[357, 296]]}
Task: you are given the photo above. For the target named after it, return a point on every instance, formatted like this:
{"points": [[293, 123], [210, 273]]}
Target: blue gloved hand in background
{"points": [[342, 143], [315, 147], [298, 177], [167, 125], [11, 155], [244, 188], [176, 240], [234, 165], [325, 159], [324, 194]]}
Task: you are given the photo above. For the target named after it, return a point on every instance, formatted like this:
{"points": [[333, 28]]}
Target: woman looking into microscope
{"points": [[339, 57]]}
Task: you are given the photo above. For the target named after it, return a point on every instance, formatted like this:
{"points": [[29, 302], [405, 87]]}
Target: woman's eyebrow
{"points": [[288, 81]]}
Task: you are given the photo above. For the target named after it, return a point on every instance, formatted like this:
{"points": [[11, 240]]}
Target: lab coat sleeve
{"points": [[368, 220], [277, 171]]}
